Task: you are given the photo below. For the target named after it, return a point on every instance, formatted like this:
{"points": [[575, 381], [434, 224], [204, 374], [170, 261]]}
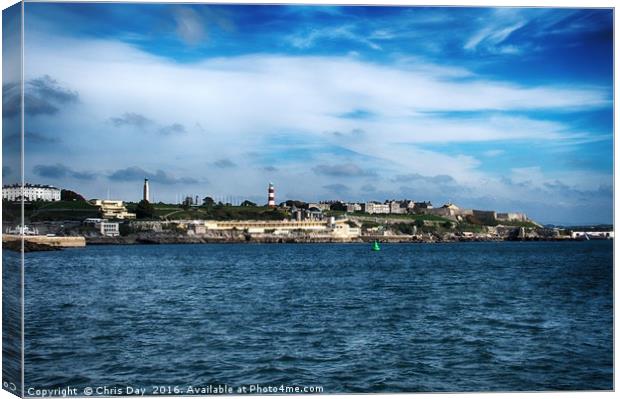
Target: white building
{"points": [[30, 192], [145, 191], [321, 205], [113, 209], [395, 207], [343, 230], [409, 204], [373, 207], [108, 229], [354, 207], [591, 234], [23, 230]]}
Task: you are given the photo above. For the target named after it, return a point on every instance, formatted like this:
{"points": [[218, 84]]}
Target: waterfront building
{"points": [[145, 191], [271, 196], [108, 229], [196, 228], [93, 221], [344, 230], [23, 230], [263, 225], [592, 234], [113, 209], [325, 227], [30, 192]]}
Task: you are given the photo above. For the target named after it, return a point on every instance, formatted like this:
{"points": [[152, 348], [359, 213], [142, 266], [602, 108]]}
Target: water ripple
{"points": [[411, 318]]}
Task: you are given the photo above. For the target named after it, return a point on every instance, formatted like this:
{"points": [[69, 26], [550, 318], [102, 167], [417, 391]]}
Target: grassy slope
{"points": [[79, 210], [175, 212], [403, 217], [59, 210], [62, 210]]}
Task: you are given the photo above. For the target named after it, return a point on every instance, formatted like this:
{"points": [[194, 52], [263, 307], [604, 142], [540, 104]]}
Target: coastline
{"points": [[42, 243], [135, 240], [13, 245]]}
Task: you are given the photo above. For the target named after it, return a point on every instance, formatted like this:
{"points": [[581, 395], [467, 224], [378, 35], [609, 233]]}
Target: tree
{"points": [[68, 195], [419, 223], [338, 206], [208, 201], [295, 203], [125, 229], [404, 228], [248, 203], [145, 210]]}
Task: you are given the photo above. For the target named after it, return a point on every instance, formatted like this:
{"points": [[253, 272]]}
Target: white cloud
{"points": [[190, 26], [493, 153], [527, 174], [310, 38], [510, 49], [503, 22], [473, 41], [11, 46], [232, 106]]}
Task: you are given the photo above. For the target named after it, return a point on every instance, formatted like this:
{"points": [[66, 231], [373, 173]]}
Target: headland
{"points": [[67, 220]]}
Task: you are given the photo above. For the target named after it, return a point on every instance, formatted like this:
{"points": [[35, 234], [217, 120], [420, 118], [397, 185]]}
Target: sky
{"points": [[508, 109]]}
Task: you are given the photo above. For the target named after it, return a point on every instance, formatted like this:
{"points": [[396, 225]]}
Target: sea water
{"points": [[506, 316]]}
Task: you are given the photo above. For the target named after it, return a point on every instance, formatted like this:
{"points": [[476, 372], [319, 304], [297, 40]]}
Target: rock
{"points": [[16, 245]]}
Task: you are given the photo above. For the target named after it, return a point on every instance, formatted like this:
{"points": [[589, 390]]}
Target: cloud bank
{"points": [[318, 125]]}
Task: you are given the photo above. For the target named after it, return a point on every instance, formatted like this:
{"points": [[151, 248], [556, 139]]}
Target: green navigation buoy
{"points": [[375, 246]]}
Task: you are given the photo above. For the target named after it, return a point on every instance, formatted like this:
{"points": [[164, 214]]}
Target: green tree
{"points": [[338, 206], [295, 203], [145, 210], [404, 228], [208, 201], [68, 195], [125, 229]]}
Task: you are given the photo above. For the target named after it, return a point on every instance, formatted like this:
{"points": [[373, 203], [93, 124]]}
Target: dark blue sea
{"points": [[510, 316]]}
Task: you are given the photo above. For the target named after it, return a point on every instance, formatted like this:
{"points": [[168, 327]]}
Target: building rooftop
{"points": [[16, 185]]}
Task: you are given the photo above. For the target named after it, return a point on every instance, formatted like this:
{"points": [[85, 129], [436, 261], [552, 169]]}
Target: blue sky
{"points": [[502, 108]]}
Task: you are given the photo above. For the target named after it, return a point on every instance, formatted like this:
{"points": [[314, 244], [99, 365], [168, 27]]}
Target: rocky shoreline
{"points": [[16, 246], [156, 239], [151, 238]]}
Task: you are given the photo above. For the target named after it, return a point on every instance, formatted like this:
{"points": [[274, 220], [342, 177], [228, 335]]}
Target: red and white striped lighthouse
{"points": [[271, 202]]}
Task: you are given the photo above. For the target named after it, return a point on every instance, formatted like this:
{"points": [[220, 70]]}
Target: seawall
{"points": [[60, 242]]}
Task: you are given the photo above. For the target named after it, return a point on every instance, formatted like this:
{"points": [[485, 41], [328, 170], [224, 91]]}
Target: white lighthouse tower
{"points": [[145, 195], [271, 201]]}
